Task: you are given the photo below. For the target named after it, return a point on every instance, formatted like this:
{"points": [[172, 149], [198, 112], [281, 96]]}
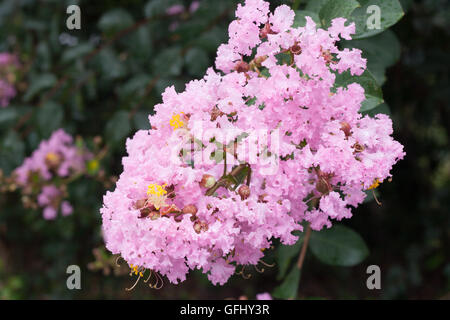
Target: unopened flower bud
{"points": [[207, 181], [190, 209], [242, 66], [296, 49], [346, 128], [198, 227], [358, 147], [265, 31], [244, 192], [140, 204]]}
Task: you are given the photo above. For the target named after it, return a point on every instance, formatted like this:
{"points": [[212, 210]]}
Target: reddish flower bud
{"points": [[207, 181], [198, 227], [241, 66], [190, 209], [346, 128], [265, 31], [296, 49], [244, 192], [140, 204]]}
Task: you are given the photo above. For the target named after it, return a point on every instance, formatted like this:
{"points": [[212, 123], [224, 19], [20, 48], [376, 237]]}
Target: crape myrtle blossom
{"points": [[45, 172], [57, 156], [8, 65], [172, 211]]}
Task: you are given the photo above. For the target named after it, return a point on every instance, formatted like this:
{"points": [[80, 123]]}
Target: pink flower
{"points": [[296, 148], [264, 296], [56, 156], [175, 9]]}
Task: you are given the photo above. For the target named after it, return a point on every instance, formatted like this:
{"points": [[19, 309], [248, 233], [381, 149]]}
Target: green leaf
{"points": [[76, 52], [197, 61], [115, 20], [118, 127], [289, 288], [210, 39], [168, 62], [382, 108], [300, 18], [135, 86], [12, 152], [157, 7], [390, 12], [372, 90], [110, 65], [285, 254], [7, 115], [336, 8], [49, 118], [140, 45], [39, 83], [140, 120], [339, 246], [315, 5], [381, 52]]}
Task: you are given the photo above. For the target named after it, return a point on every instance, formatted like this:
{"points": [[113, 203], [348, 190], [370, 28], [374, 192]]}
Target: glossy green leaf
{"points": [[289, 287], [382, 108], [285, 255], [390, 13], [315, 5], [336, 8], [339, 246], [300, 18]]}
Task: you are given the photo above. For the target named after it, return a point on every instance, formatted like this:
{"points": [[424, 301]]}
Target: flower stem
{"points": [[301, 258]]}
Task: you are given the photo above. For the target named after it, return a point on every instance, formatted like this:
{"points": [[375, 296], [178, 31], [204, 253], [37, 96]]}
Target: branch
{"points": [[301, 258]]}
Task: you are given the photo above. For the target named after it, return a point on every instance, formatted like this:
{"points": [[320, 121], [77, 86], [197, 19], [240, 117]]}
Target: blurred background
{"points": [[103, 80]]}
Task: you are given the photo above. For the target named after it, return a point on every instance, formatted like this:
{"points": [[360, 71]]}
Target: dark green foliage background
{"points": [[108, 82]]}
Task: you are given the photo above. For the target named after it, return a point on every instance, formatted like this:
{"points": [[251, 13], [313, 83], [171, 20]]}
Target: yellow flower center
{"points": [[157, 195], [51, 156], [135, 270], [375, 184], [176, 122]]}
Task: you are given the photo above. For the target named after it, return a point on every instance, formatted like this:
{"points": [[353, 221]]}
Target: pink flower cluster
{"points": [[54, 160], [8, 64], [171, 213]]}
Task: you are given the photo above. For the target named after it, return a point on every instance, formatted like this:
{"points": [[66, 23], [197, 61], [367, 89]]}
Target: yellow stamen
{"points": [[157, 195], [375, 184], [51, 156], [176, 122]]}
